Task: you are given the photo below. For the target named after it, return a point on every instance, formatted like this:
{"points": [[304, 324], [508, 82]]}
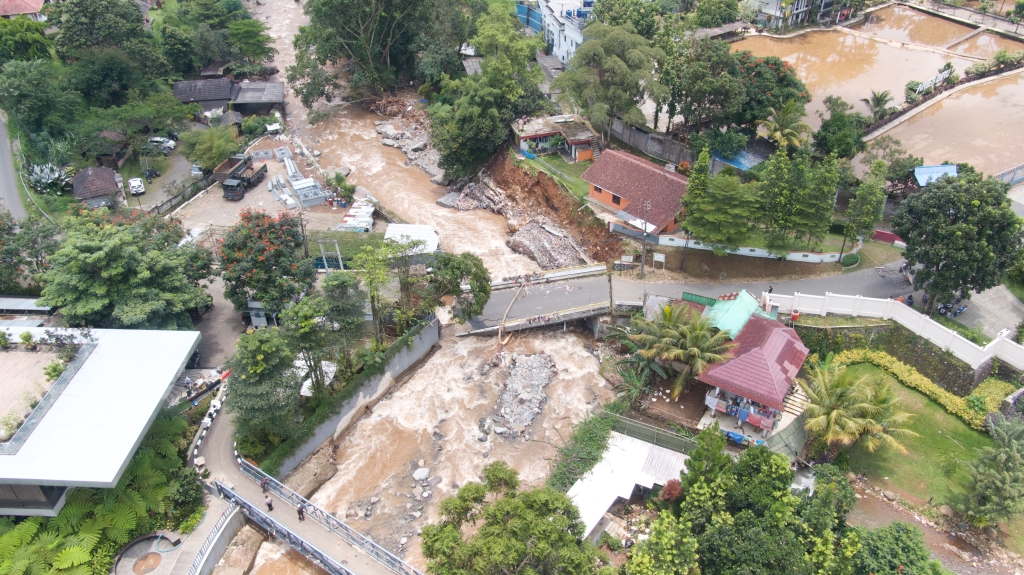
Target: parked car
{"points": [[162, 142], [197, 171], [135, 187]]}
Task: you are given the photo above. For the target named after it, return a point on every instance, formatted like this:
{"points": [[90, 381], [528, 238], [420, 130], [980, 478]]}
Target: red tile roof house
{"points": [[624, 183], [14, 8], [753, 389]]}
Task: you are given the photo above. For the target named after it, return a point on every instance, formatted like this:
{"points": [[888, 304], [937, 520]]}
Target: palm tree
{"points": [[887, 421], [843, 408], [878, 103], [785, 126], [683, 336]]}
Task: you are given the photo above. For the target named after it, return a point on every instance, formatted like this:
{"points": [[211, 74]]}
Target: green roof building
{"points": [[731, 312]]}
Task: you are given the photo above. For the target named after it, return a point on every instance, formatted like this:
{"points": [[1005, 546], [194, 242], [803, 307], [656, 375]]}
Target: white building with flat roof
{"points": [[86, 428], [563, 23]]}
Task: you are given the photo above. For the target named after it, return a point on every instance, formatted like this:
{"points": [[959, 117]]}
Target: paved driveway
{"points": [[993, 311], [220, 327]]}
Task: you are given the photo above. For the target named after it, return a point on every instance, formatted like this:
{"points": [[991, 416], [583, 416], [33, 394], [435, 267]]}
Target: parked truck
{"points": [[232, 167], [235, 188]]}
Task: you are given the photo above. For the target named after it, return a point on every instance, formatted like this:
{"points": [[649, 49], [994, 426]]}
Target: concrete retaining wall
{"points": [[946, 339], [214, 548], [370, 392]]}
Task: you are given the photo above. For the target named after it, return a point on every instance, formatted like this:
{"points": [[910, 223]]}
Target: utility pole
{"points": [[643, 254]]}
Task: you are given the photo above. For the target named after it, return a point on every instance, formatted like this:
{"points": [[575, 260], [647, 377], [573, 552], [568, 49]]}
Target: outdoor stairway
{"points": [[595, 145], [178, 391], [795, 401]]}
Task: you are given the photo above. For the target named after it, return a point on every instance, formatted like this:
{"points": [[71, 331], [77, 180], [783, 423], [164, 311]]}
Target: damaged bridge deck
{"points": [[548, 303]]}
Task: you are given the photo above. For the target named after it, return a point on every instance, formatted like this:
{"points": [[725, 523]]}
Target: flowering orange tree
{"points": [[261, 260]]}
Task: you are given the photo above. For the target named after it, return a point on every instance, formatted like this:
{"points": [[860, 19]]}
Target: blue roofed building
{"points": [[928, 174], [732, 311]]}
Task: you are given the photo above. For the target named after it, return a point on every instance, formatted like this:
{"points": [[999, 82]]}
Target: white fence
{"points": [[810, 257], [948, 340]]}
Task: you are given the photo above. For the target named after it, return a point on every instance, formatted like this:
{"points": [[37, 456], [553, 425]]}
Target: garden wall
{"points": [[946, 371], [946, 339], [369, 391]]}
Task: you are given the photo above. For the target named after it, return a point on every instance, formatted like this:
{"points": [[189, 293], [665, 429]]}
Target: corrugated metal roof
{"points": [[626, 463], [928, 174], [730, 315], [21, 304], [21, 323]]}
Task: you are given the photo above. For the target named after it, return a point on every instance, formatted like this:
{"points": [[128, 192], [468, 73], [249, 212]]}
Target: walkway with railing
{"points": [[332, 524], [1012, 176]]}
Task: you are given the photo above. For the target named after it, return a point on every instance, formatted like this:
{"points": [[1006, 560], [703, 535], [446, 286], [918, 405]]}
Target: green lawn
{"points": [[878, 253], [839, 320], [568, 174], [348, 242], [943, 438], [156, 15]]}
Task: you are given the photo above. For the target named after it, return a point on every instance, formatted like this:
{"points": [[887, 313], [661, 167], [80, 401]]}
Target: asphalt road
{"points": [[10, 199]]}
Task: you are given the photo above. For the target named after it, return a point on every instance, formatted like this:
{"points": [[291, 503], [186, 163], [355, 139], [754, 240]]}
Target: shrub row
{"points": [[585, 448], [331, 406], [992, 390]]}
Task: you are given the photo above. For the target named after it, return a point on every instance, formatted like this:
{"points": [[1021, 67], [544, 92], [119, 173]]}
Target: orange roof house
{"points": [[626, 183], [14, 8]]}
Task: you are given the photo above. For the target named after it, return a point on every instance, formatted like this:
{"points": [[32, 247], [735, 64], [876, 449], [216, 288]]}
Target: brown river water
{"points": [[378, 453]]}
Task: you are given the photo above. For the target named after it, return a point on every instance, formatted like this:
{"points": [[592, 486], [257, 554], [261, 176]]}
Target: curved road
{"points": [[10, 199]]}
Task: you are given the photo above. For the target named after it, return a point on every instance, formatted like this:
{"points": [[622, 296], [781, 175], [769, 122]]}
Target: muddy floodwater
{"points": [[348, 138], [910, 26], [837, 63], [434, 417], [985, 45], [980, 125]]}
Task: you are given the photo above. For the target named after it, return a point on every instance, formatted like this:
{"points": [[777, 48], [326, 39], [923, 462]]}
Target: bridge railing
{"points": [[556, 316], [1012, 176], [197, 563], [329, 521], [256, 515]]}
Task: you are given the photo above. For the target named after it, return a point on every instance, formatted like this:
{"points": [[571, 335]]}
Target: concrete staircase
{"points": [[595, 145]]}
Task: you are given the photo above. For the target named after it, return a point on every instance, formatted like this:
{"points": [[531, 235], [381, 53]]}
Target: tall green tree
{"points": [[900, 163], [866, 207], [841, 133], [261, 259], [210, 147], [374, 265], [815, 199], [125, 271], [723, 215], [264, 390], [611, 75], [451, 272], [670, 549], [139, 116], [996, 490], [701, 80], [533, 531], [23, 39], [11, 259], [895, 549], [31, 92], [776, 197], [375, 36], [326, 327], [108, 77], [768, 83], [440, 40], [640, 14], [249, 37], [87, 24], [708, 460], [961, 235], [715, 13], [178, 49]]}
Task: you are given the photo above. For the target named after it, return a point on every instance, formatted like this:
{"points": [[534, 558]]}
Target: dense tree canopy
{"points": [[996, 489], [611, 75], [88, 24], [23, 39], [533, 531], [264, 389], [640, 14], [719, 211], [31, 92], [841, 132], [125, 271], [961, 235], [702, 80], [210, 147], [261, 259], [768, 83]]}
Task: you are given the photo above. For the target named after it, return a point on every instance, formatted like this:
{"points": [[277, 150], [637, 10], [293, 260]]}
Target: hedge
{"points": [[331, 406], [992, 390], [585, 448]]}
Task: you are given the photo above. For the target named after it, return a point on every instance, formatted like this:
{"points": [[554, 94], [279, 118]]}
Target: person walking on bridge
{"points": [[302, 512], [270, 503]]}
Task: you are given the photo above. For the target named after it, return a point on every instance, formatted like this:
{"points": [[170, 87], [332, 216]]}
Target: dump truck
{"points": [[232, 167], [235, 188]]}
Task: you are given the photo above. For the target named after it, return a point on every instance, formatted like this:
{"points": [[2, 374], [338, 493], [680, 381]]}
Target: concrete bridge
{"points": [[547, 300]]}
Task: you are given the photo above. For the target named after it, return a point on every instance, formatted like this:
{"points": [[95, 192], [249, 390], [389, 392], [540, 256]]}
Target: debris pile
{"points": [[524, 395], [547, 244], [390, 106], [412, 136]]}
